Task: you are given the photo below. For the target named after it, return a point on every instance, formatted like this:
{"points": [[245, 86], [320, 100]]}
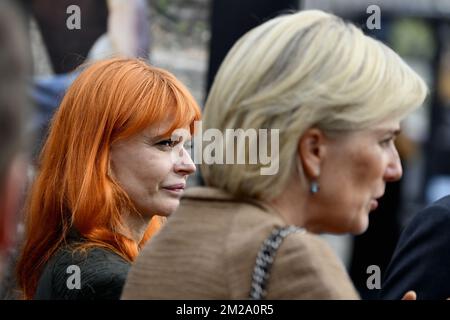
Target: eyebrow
{"points": [[154, 139], [161, 137], [169, 137]]}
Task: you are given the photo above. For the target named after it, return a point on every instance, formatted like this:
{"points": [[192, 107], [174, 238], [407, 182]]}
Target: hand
{"points": [[410, 295]]}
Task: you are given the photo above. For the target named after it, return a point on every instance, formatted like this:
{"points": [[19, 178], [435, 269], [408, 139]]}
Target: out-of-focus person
{"points": [[14, 68], [421, 259]]}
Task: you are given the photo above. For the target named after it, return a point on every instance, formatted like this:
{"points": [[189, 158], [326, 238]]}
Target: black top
{"points": [[421, 261], [97, 273]]}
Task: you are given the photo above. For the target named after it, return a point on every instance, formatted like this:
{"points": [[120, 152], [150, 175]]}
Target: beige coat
{"points": [[208, 248]]}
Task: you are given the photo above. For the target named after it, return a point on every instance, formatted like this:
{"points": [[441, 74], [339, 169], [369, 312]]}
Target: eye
{"points": [[387, 142], [167, 143]]}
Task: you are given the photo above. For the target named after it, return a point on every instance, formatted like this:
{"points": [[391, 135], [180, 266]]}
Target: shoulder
{"points": [[437, 211], [305, 267], [95, 273], [432, 222], [421, 260]]}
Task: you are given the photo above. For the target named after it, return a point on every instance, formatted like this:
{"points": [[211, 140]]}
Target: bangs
{"points": [[162, 98], [184, 110]]}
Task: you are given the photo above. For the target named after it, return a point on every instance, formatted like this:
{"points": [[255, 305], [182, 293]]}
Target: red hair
{"points": [[109, 101]]}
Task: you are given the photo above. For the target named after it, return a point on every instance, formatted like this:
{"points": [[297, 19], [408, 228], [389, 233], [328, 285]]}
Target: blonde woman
{"points": [[336, 98]]}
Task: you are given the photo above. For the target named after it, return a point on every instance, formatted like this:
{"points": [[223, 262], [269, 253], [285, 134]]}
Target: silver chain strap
{"points": [[265, 258]]}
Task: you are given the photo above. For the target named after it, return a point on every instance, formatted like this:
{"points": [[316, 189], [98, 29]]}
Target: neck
{"points": [[291, 204], [137, 224]]}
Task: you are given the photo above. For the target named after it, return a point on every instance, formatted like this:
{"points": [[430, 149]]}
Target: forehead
{"points": [[387, 125], [368, 135], [161, 128]]}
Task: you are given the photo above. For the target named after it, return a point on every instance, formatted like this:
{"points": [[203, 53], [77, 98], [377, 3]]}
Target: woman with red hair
{"points": [[109, 170]]}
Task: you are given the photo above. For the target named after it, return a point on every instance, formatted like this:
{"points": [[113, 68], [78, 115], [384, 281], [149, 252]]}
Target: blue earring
{"points": [[314, 187]]}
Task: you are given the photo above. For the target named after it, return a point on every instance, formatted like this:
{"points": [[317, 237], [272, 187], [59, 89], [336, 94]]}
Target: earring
{"points": [[314, 187]]}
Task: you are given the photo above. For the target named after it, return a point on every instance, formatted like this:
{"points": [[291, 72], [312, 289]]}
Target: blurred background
{"points": [[191, 37]]}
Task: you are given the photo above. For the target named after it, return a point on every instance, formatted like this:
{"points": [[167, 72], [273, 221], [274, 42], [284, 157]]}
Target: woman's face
{"points": [[353, 176], [153, 168]]}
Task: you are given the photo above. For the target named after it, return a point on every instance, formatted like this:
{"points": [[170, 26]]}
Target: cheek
{"points": [[159, 174], [141, 172], [352, 183], [155, 173], [367, 170]]}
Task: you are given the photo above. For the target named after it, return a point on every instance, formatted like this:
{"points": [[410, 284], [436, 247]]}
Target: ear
{"points": [[311, 150]]}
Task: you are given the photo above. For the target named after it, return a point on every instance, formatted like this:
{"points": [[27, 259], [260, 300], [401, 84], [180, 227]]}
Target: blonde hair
{"points": [[298, 71]]}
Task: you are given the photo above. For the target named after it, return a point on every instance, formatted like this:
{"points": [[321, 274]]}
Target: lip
{"points": [[176, 188]]}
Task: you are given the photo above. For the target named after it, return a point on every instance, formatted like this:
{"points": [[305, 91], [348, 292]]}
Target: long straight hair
{"points": [[109, 101]]}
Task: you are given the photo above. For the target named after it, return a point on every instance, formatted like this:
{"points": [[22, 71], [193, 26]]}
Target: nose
{"points": [[185, 166], [394, 169]]}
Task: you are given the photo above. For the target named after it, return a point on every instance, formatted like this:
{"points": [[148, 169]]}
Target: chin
{"points": [[359, 232], [360, 228], [163, 210], [169, 209]]}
